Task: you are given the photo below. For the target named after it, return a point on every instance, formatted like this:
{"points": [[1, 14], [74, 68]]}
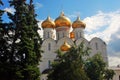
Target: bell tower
{"points": [[78, 28], [63, 25], [48, 28]]}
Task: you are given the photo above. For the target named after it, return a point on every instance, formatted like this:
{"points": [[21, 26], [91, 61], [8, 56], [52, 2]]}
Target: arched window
{"points": [[96, 45], [48, 34], [49, 46], [80, 35], [119, 77], [76, 35], [58, 35], [49, 64], [63, 34]]}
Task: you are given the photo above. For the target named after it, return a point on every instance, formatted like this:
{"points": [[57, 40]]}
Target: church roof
{"points": [[65, 46], [62, 20], [78, 23], [48, 23]]}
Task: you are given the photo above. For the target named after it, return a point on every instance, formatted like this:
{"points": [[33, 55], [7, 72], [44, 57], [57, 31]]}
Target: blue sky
{"points": [[84, 7], [102, 18]]}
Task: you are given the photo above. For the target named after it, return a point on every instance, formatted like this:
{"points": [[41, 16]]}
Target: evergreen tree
{"points": [[1, 40], [24, 49], [1, 13], [3, 45], [69, 65], [5, 49]]}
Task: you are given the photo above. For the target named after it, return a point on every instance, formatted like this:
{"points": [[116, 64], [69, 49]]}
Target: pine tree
{"points": [[2, 41], [5, 45], [1, 13], [25, 47]]}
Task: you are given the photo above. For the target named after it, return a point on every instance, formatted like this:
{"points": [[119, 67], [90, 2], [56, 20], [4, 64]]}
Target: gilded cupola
{"points": [[62, 20], [72, 35], [65, 46], [48, 23], [78, 23]]}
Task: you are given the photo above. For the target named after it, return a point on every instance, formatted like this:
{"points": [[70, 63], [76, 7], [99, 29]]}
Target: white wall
{"points": [[48, 55], [98, 46]]}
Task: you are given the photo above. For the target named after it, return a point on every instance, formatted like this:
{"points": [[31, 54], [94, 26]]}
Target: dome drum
{"points": [[62, 23], [62, 29], [78, 25]]}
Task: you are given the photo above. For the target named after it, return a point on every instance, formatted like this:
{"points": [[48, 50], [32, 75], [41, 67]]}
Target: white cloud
{"points": [[74, 15], [38, 5], [40, 31], [118, 36], [103, 25], [113, 61], [96, 22], [10, 10], [107, 27]]}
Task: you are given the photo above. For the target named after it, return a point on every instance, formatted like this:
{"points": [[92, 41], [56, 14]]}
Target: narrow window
{"points": [[48, 35], [58, 35], [63, 34], [76, 35], [96, 44], [119, 77], [80, 34], [44, 35], [49, 46], [49, 64]]}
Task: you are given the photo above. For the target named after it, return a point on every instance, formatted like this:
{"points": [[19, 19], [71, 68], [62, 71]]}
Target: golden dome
{"points": [[48, 23], [72, 35], [65, 46], [78, 23], [62, 20]]}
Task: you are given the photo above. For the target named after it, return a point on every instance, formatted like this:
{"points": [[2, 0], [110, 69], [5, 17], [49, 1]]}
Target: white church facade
{"points": [[62, 39]]}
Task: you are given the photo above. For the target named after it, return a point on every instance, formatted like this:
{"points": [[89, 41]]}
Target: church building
{"points": [[57, 35]]}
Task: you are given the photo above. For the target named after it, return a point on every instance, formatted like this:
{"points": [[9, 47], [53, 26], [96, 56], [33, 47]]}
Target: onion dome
{"points": [[62, 20], [48, 23], [72, 35], [65, 46], [78, 23]]}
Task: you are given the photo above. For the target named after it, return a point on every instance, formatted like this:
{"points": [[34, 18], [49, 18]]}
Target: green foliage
{"points": [[95, 67], [4, 48], [69, 65], [109, 74], [75, 65], [21, 44], [1, 13]]}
